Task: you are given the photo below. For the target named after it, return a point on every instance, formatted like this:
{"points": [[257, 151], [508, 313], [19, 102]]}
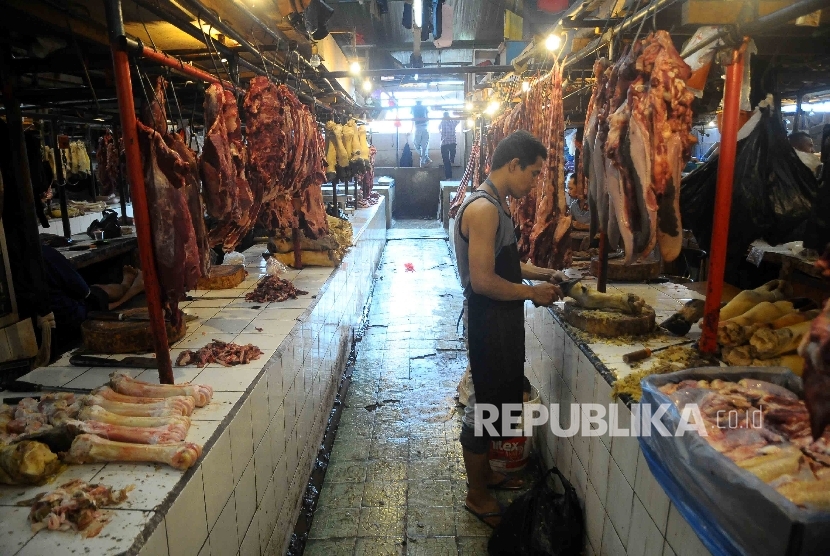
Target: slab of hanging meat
{"points": [[591, 182], [174, 240], [179, 259], [550, 236], [293, 157], [469, 173], [228, 196], [266, 140], [193, 196], [107, 157], [671, 140]]}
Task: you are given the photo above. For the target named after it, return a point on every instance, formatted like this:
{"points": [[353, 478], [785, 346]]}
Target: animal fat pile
{"points": [[74, 506], [285, 167], [637, 139], [762, 328], [470, 175], [126, 420], [177, 219], [226, 354], [772, 440], [273, 288], [542, 223]]}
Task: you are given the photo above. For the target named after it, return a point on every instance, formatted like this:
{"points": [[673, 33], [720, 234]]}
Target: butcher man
{"points": [[491, 275]]}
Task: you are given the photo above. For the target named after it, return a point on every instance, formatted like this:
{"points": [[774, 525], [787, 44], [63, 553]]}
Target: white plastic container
{"points": [[509, 455]]}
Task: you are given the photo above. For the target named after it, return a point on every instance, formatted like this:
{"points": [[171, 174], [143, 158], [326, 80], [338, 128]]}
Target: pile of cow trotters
{"points": [[272, 177]]}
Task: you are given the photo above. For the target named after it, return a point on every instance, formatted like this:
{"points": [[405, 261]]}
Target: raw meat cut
{"points": [[225, 353], [469, 175], [75, 506], [273, 288], [108, 162]]}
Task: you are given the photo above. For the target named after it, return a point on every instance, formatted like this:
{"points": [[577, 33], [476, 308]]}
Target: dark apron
{"points": [[496, 340]]}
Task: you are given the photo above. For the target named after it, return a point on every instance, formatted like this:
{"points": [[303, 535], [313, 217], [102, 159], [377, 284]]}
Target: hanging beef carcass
{"points": [[294, 159], [108, 161], [155, 115], [648, 140], [228, 196], [174, 239], [550, 236]]}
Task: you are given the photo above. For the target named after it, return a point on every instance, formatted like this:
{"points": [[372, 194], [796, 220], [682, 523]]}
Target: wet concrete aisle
{"points": [[396, 483]]}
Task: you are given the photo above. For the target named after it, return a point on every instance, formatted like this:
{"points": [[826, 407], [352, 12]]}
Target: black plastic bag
{"points": [[772, 193], [541, 522], [817, 235]]}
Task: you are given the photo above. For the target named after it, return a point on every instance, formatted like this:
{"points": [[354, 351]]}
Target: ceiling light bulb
{"points": [[525, 86], [224, 60], [315, 61], [468, 106], [367, 86], [711, 124], [552, 42], [354, 69], [416, 77], [493, 107], [470, 122]]}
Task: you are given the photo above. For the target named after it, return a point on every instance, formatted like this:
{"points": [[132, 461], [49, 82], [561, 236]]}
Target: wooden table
{"points": [[113, 248]]}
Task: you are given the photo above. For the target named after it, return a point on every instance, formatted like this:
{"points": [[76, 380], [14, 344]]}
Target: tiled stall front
{"points": [[260, 433], [625, 509]]}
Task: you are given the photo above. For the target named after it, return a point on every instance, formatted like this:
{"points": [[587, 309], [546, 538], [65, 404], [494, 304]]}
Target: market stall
{"points": [[257, 350]]}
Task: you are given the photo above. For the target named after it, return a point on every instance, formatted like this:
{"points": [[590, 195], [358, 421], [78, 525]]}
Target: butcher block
{"points": [[639, 271], [609, 324], [127, 336], [222, 277]]}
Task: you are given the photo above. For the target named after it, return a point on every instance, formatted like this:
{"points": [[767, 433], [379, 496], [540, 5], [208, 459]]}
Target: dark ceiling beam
{"points": [[67, 94]]}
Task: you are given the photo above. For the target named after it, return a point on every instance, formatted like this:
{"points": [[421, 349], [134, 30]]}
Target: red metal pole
{"points": [[186, 69], [135, 175], [723, 200]]}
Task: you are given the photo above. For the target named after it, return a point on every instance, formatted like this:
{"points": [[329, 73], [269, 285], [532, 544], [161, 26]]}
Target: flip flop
{"points": [[482, 517], [502, 485]]}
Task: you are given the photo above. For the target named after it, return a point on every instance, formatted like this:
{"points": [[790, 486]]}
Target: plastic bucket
{"points": [[509, 455]]}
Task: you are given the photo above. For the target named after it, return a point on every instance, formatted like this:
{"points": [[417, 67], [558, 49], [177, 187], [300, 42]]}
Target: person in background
{"points": [[421, 142], [491, 274], [803, 145], [448, 143], [579, 209], [71, 298]]}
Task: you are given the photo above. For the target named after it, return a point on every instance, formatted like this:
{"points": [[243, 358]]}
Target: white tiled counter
{"points": [[625, 509], [261, 432]]}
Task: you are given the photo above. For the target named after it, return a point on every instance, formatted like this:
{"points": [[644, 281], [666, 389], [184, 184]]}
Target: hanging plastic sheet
{"points": [[732, 511], [772, 192]]}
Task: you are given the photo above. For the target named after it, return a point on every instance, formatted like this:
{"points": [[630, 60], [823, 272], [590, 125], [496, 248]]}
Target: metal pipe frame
{"points": [[723, 201], [423, 71], [135, 174]]}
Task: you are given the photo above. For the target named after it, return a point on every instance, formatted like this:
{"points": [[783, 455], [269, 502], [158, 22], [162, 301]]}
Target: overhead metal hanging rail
{"points": [[423, 71]]}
